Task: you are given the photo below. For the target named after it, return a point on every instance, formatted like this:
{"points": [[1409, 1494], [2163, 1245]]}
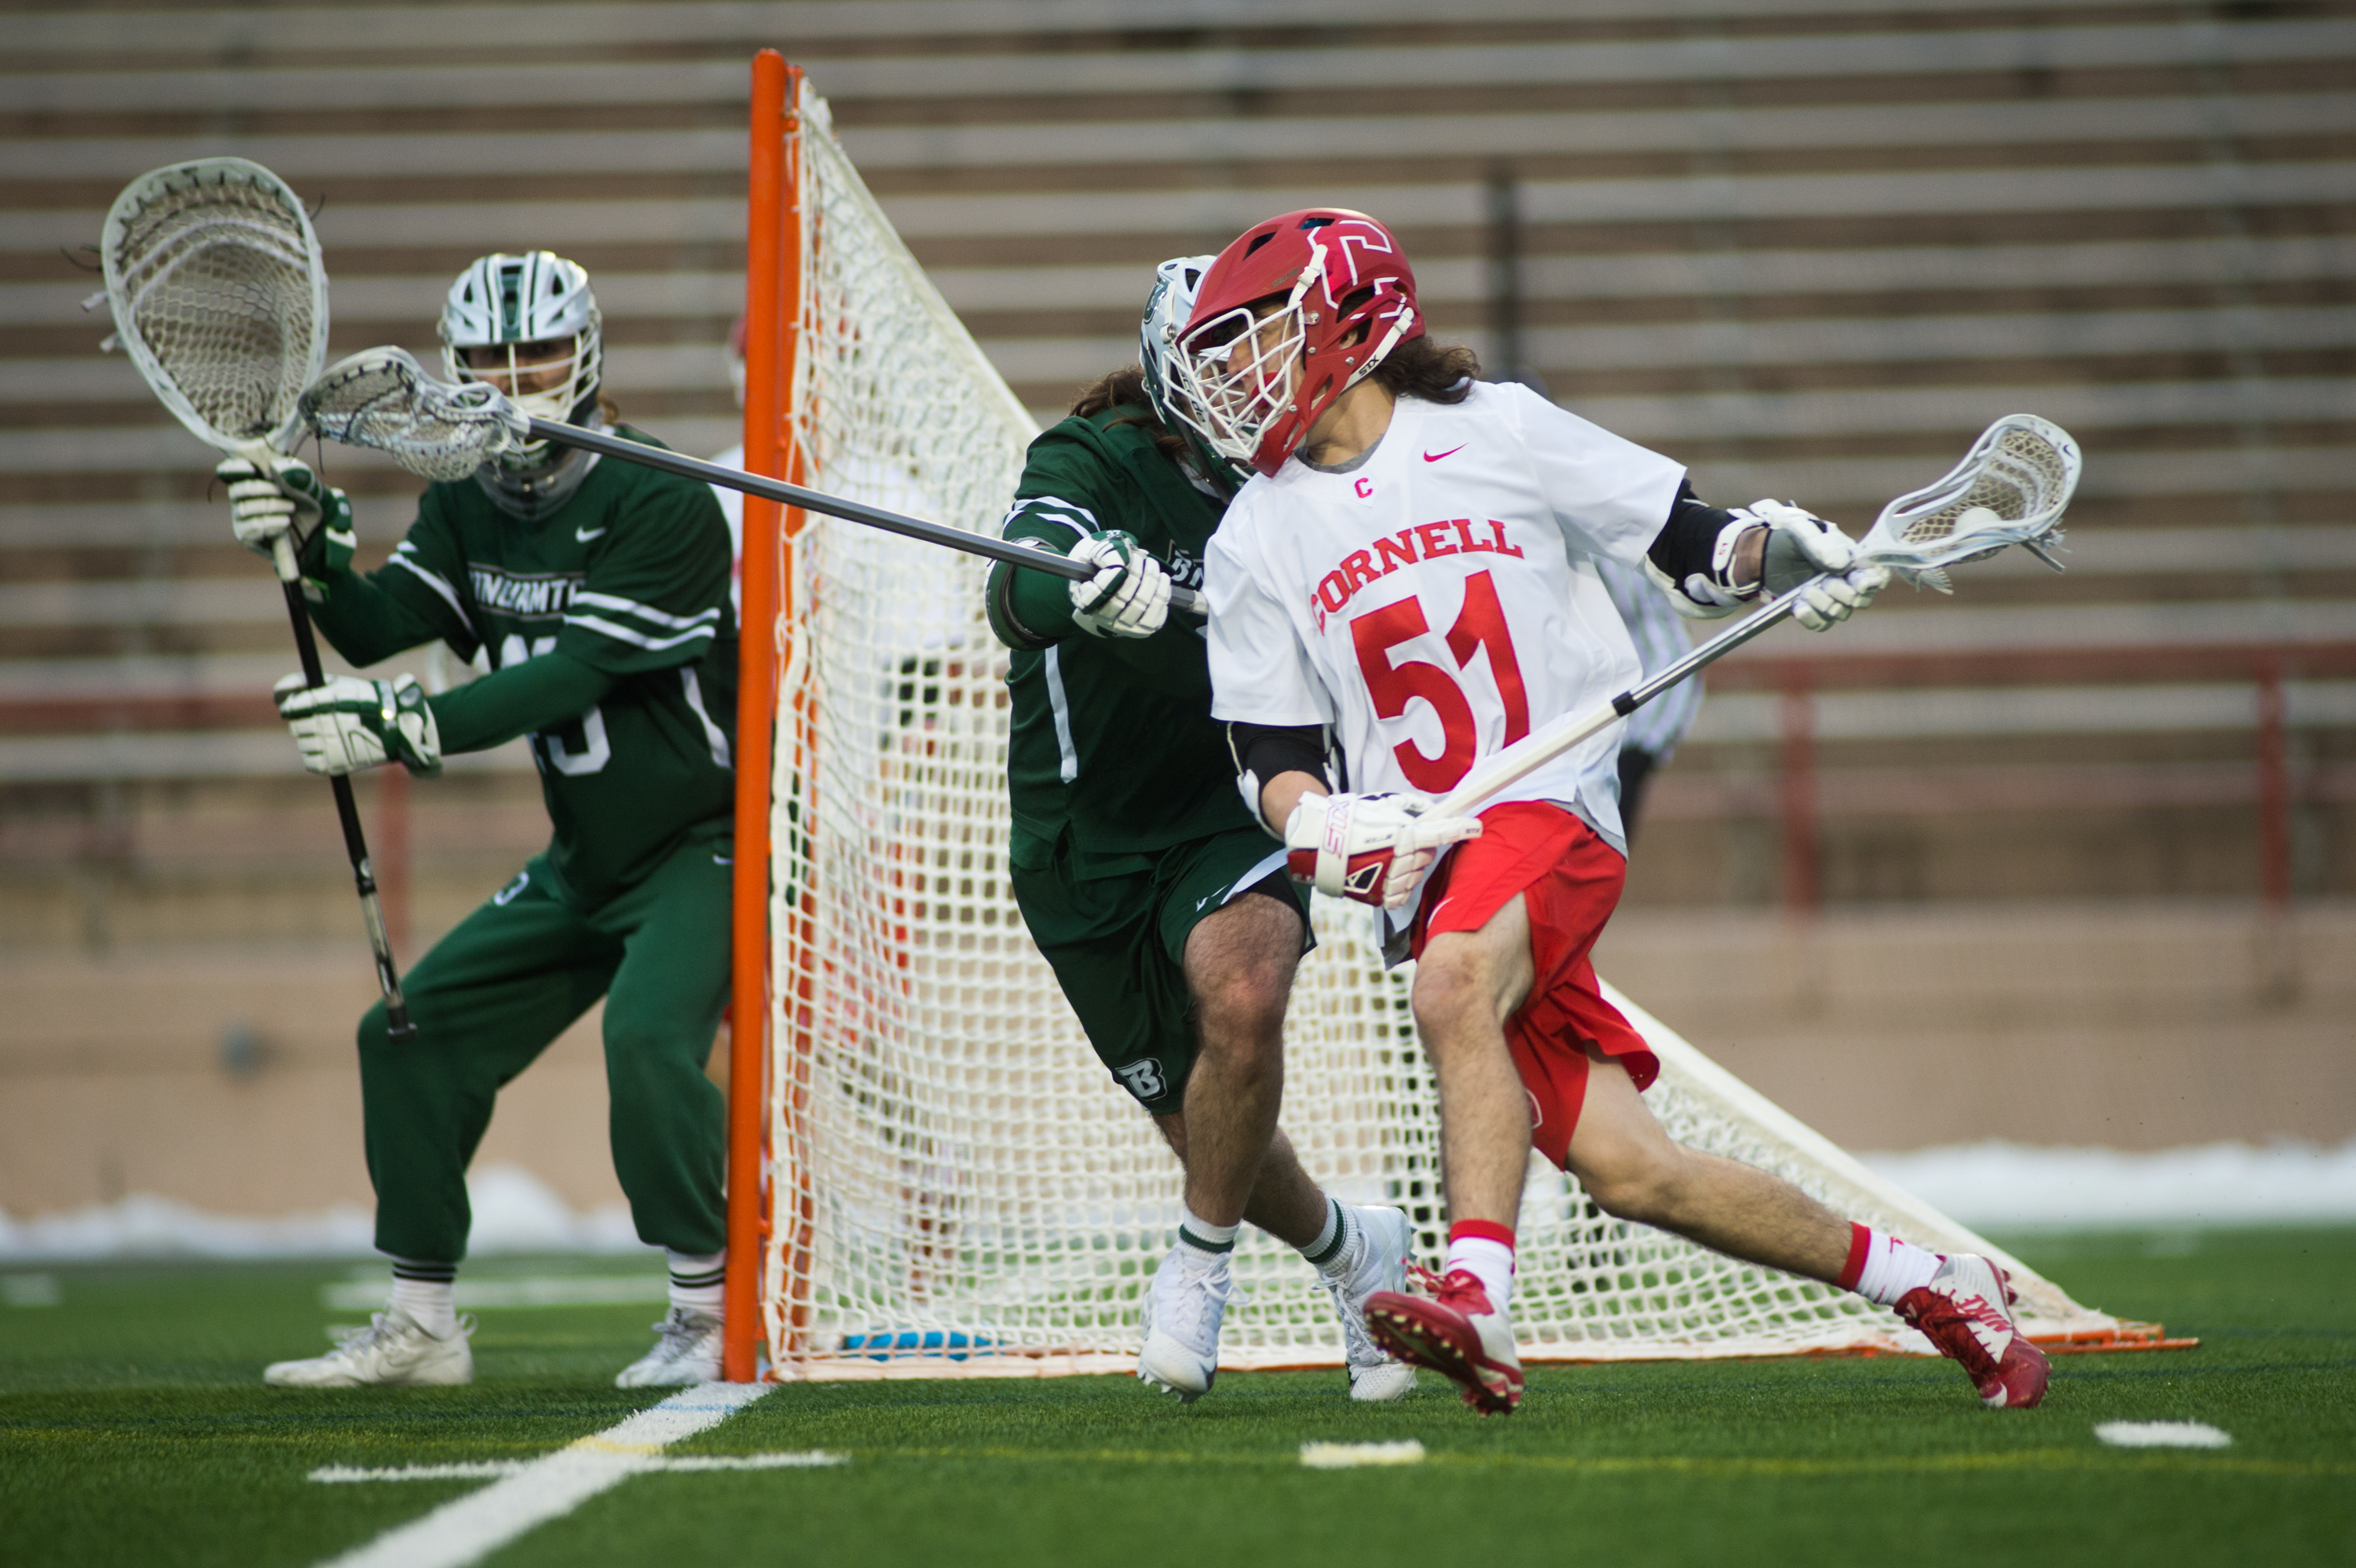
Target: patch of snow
{"points": [[515, 1212], [1993, 1186], [1997, 1185]]}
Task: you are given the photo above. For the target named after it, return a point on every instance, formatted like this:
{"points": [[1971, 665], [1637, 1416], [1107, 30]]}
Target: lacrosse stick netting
{"points": [[2010, 488], [382, 397], [219, 296]]}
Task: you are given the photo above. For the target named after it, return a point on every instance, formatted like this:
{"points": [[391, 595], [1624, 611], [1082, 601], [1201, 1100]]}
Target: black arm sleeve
{"points": [[1684, 543], [1265, 750]]}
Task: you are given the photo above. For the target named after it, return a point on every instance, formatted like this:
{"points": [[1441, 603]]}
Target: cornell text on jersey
{"points": [[1424, 541]]}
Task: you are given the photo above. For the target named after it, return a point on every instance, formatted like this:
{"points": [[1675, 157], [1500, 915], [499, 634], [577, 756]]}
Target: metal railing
{"points": [[1798, 684]]}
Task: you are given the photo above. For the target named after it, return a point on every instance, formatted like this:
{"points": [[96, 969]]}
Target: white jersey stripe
{"points": [[646, 612], [637, 639], [1061, 706], [406, 556]]}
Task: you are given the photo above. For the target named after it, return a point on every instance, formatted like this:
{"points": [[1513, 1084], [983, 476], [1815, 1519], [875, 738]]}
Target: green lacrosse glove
{"points": [[289, 499], [348, 724]]}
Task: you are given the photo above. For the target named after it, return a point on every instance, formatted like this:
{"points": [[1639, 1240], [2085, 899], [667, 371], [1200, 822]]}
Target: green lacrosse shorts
{"points": [[1117, 941], [499, 989]]}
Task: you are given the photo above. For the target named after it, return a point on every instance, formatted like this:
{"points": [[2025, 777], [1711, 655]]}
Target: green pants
{"points": [[499, 989], [1117, 941]]}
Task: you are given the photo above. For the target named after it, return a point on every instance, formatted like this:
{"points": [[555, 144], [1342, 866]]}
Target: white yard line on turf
{"points": [[468, 1528], [2163, 1434], [1356, 1455], [496, 1469]]}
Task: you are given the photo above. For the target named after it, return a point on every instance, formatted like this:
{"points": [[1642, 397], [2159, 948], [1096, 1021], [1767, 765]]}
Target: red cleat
{"points": [[1455, 1332], [1967, 1312]]}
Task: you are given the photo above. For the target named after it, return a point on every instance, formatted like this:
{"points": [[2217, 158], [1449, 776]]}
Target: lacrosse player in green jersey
{"points": [[1162, 906], [598, 594]]}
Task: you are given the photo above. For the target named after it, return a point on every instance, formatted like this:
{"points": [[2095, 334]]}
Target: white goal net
{"points": [[955, 1186]]}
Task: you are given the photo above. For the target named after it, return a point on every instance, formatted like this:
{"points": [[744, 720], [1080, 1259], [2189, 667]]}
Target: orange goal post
{"points": [[929, 1175]]}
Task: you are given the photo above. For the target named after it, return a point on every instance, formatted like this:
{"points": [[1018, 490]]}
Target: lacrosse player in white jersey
{"points": [[1411, 576]]}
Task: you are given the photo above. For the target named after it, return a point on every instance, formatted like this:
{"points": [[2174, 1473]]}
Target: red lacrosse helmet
{"points": [[1342, 298]]}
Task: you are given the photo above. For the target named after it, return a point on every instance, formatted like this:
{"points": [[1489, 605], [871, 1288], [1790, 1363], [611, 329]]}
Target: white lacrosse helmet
{"points": [[1166, 311], [504, 301]]}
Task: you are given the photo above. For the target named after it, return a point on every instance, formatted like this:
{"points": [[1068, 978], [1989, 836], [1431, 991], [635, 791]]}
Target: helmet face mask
{"points": [[1167, 308], [538, 312], [1295, 313]]}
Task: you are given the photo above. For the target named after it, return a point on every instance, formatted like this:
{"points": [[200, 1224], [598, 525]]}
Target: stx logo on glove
{"points": [[1424, 541]]}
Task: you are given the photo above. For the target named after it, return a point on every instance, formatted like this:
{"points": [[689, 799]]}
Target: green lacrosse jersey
{"points": [[629, 576], [1113, 745]]}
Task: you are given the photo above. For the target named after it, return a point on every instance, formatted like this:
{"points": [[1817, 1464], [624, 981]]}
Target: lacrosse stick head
{"points": [[219, 297], [2010, 488], [382, 397]]}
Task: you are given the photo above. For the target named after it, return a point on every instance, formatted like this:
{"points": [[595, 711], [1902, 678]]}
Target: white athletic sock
{"points": [[1489, 1261], [696, 1279], [1332, 1252], [427, 1293], [1884, 1268], [1211, 1240]]}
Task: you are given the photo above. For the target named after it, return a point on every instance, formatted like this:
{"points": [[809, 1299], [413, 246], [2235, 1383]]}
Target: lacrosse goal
{"points": [[930, 1176]]}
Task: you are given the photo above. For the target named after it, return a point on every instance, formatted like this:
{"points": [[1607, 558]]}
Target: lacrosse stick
{"points": [[2010, 488], [220, 299], [382, 397]]}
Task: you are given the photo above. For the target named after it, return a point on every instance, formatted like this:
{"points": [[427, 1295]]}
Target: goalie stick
{"points": [[382, 399], [2011, 487], [219, 298]]}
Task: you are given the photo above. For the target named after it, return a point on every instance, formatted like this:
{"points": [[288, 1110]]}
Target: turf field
{"points": [[133, 1429]]}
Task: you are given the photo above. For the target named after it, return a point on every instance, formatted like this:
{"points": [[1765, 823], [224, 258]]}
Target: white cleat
{"points": [[1377, 1257], [394, 1349], [686, 1350], [1182, 1322]]}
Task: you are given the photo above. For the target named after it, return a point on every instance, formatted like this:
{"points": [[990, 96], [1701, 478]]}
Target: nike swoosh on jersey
{"points": [[1436, 456], [586, 535]]}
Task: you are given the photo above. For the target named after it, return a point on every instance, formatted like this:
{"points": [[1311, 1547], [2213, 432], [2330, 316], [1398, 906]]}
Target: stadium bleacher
{"points": [[1810, 247]]}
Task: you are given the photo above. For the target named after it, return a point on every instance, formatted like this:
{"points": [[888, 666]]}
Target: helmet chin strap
{"points": [[1383, 349], [529, 495]]}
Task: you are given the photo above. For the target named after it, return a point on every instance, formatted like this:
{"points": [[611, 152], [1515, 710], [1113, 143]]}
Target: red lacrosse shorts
{"points": [[1570, 880]]}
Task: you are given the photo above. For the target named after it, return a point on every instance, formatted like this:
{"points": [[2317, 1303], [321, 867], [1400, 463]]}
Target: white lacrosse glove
{"points": [[1802, 546], [349, 724], [1129, 594], [288, 500], [1370, 848]]}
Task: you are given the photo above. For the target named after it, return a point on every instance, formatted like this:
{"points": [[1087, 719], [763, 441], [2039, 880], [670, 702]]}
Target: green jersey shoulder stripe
{"points": [[406, 557], [1051, 510]]}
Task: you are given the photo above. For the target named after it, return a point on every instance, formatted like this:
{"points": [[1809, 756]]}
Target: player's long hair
{"points": [[1125, 389], [1436, 372]]}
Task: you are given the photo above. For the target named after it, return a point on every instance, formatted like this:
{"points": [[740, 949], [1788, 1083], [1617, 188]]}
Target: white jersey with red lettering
{"points": [[1439, 600]]}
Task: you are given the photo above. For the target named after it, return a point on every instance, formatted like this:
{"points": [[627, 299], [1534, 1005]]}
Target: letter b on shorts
{"points": [[1143, 1079]]}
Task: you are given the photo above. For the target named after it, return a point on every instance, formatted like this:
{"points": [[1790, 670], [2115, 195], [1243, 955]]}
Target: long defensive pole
{"points": [[769, 266]]}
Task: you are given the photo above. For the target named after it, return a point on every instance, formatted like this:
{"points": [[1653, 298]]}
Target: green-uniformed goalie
{"points": [[598, 594], [1162, 907]]}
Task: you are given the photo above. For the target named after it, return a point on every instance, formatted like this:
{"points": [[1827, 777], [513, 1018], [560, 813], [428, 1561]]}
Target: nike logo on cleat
{"points": [[1436, 456]]}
